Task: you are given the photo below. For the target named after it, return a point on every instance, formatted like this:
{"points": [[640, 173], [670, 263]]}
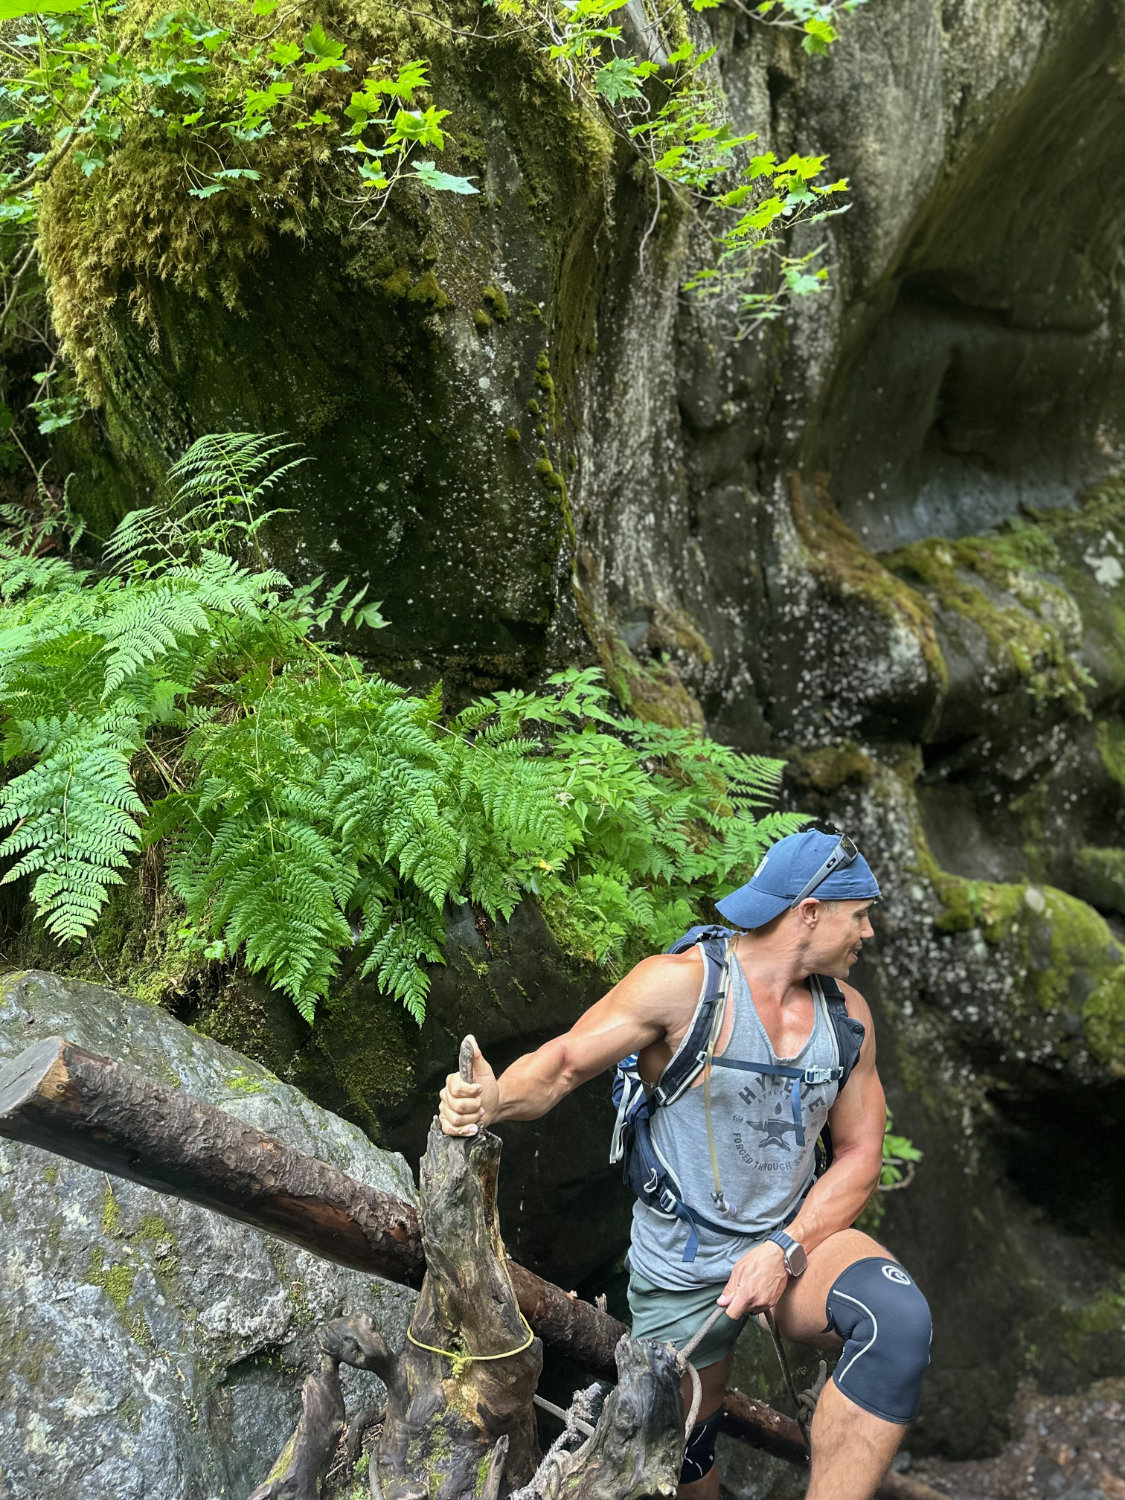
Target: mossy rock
{"points": [[1101, 878], [853, 647], [1031, 617], [362, 345]]}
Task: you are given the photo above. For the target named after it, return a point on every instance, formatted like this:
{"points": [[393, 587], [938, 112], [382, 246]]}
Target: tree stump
{"points": [[637, 1448], [459, 1423]]}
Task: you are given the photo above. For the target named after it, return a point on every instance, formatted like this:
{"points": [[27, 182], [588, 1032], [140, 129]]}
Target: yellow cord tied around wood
{"points": [[461, 1359]]}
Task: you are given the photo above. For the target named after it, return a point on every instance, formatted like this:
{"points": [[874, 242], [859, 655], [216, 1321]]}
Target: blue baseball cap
{"points": [[825, 865]]}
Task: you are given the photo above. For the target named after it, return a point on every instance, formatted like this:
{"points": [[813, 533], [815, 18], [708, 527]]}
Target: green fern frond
{"points": [[75, 816]]}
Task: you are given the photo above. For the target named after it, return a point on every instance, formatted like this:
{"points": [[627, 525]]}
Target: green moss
{"points": [[481, 321], [302, 1312], [51, 1175], [496, 302], [1110, 740], [240, 1082], [284, 1459], [111, 1213], [133, 223], [1060, 950], [1102, 877], [1103, 1314], [363, 1055], [248, 1017], [137, 946], [152, 1229], [116, 1280], [828, 769], [546, 384], [1022, 628], [428, 293], [513, 434], [130, 1413], [844, 567], [397, 284], [19, 1354], [167, 1073], [533, 407], [549, 474], [1103, 1021], [654, 691]]}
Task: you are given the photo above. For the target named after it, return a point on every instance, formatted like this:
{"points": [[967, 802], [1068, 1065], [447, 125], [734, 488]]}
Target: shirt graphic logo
{"points": [[775, 1132], [897, 1275]]}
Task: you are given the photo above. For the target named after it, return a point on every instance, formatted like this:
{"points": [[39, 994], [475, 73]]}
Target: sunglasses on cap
{"points": [[844, 854]]}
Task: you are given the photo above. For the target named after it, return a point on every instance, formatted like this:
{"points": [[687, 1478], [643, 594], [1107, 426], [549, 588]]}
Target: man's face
{"points": [[842, 930]]}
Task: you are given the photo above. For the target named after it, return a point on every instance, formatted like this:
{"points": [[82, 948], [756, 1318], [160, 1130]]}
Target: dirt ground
{"points": [[1063, 1448]]}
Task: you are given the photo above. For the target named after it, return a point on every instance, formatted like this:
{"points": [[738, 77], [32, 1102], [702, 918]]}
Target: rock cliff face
{"points": [[885, 538], [150, 1348]]}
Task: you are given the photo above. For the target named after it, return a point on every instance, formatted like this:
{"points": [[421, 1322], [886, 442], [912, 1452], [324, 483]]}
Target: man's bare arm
{"points": [[636, 1013], [858, 1120]]}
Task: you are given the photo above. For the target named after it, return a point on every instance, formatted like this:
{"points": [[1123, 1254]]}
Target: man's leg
{"points": [[676, 1316], [713, 1380], [863, 1414]]}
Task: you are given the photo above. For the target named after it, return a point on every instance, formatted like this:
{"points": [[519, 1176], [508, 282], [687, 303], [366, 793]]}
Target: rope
{"points": [[683, 1360], [566, 1417], [461, 1360], [683, 1357]]}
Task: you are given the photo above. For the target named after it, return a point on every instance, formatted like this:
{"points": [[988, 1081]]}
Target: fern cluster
{"points": [[308, 808]]}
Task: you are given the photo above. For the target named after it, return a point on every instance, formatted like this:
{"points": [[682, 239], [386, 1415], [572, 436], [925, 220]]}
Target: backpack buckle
{"points": [[822, 1075], [667, 1201]]}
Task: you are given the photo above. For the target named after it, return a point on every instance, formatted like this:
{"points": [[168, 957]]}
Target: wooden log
{"points": [[115, 1118], [581, 1330], [303, 1462], [761, 1427]]}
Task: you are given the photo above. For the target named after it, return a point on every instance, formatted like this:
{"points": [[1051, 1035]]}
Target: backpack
{"points": [[644, 1170]]}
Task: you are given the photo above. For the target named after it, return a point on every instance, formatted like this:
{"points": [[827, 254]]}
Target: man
{"points": [[771, 1237]]}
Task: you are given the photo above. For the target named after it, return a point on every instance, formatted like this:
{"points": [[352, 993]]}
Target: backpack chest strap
{"points": [[810, 1076]]}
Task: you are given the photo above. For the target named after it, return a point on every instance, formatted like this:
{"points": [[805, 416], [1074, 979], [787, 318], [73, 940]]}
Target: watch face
{"points": [[796, 1260]]}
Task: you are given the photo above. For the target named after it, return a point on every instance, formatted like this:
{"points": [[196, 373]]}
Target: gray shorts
{"points": [[673, 1316]]}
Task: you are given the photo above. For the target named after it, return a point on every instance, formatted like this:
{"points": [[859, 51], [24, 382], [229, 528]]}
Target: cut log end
{"points": [[40, 1070]]}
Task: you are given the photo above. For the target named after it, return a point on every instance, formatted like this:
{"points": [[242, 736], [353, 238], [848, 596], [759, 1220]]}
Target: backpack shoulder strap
{"points": [[849, 1032], [690, 1055]]}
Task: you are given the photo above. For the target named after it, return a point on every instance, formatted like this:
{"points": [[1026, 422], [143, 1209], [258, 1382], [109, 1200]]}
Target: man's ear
{"points": [[809, 911]]}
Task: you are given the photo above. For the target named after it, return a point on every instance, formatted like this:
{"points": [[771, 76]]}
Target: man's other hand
{"points": [[464, 1108], [757, 1281]]}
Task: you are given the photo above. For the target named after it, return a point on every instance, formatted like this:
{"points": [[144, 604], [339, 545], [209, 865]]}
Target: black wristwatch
{"points": [[795, 1258]]}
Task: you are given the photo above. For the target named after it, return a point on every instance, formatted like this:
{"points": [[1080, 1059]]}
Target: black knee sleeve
{"points": [[699, 1451], [884, 1321]]}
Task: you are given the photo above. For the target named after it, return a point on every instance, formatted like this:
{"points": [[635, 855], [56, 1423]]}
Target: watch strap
{"points": [[795, 1258]]}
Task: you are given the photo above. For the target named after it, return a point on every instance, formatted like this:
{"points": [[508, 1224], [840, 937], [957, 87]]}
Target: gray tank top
{"points": [[764, 1167]]}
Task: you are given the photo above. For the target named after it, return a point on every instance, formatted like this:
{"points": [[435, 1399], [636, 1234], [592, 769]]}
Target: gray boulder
{"points": [[149, 1348]]}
